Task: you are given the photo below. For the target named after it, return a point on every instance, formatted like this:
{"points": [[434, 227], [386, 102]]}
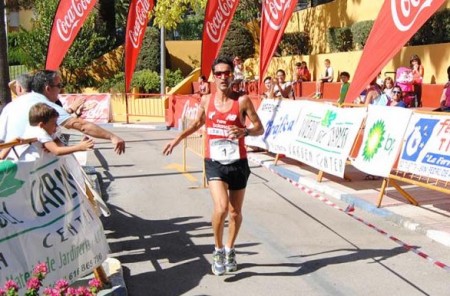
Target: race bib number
{"points": [[225, 151]]}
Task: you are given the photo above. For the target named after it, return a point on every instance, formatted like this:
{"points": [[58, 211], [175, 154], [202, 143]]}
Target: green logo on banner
{"points": [[374, 140], [328, 119], [8, 182]]}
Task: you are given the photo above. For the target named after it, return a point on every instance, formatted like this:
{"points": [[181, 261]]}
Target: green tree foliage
{"points": [[340, 39], [435, 30], [90, 43], [360, 32], [238, 42], [295, 43], [170, 13], [150, 55]]}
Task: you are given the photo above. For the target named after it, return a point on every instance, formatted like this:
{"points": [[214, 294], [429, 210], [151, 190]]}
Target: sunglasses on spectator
{"points": [[59, 85], [222, 74], [396, 92]]}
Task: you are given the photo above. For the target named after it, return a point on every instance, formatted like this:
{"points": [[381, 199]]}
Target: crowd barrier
{"points": [[49, 214], [195, 144]]}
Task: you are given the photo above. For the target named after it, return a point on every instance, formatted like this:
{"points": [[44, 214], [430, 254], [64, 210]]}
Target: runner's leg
{"points": [[219, 194], [235, 215]]}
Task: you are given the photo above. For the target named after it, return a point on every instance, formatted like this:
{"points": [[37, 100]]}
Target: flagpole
{"points": [[163, 60]]}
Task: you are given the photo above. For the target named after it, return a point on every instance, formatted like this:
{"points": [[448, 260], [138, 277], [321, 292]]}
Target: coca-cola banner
{"points": [[68, 20], [138, 15], [218, 16], [400, 19], [275, 16]]}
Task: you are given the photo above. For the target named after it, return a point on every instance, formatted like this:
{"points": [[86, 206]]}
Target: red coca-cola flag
{"points": [[69, 18], [275, 16], [218, 16], [399, 20], [138, 15]]}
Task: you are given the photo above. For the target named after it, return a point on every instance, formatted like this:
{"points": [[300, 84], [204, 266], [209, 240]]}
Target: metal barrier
{"points": [[196, 144], [15, 71], [144, 105]]}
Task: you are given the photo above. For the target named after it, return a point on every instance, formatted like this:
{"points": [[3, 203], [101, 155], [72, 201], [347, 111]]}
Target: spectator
{"points": [[445, 98], [203, 86], [417, 73], [21, 85], [43, 126], [301, 72], [345, 77], [238, 68], [397, 97], [282, 88], [373, 92], [46, 87], [268, 94], [380, 80], [327, 76], [388, 85]]}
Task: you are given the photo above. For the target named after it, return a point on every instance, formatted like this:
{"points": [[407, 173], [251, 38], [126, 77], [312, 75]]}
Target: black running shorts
{"points": [[234, 174]]}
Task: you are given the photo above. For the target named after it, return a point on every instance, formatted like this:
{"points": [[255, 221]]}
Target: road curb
{"points": [[352, 199]]}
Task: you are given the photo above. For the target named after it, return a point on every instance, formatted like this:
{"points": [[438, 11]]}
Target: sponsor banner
{"points": [[137, 21], [396, 18], [69, 18], [426, 147], [384, 129], [266, 112], [96, 107], [324, 136], [279, 130], [218, 17], [275, 16], [45, 217], [184, 107]]}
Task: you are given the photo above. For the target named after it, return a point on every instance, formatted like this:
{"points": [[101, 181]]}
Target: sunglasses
{"points": [[396, 92], [222, 74], [59, 85]]}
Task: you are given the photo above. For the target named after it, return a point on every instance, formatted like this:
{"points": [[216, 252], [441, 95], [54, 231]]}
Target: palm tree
{"points": [[5, 94]]}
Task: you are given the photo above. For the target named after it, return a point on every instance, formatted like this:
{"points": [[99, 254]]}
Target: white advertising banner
{"points": [[383, 133], [267, 111], [45, 217], [96, 107], [278, 132], [324, 136], [426, 148]]}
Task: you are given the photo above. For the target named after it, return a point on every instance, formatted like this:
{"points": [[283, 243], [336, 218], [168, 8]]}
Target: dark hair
{"points": [[298, 64], [203, 77], [222, 60], [304, 63], [415, 57], [41, 112], [41, 79], [448, 72], [268, 78], [346, 74], [282, 71], [25, 81]]}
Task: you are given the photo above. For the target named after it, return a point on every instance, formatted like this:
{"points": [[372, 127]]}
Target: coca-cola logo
{"points": [[274, 12], [190, 112], [142, 9], [405, 12], [67, 24], [216, 27]]}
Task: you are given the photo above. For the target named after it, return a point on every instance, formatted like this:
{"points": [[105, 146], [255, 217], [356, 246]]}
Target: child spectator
{"points": [[327, 76], [203, 86], [268, 94], [345, 77], [417, 73], [388, 86], [445, 98], [43, 126], [282, 88]]}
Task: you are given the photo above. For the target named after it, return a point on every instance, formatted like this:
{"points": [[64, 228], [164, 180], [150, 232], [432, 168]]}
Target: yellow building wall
{"points": [[184, 55]]}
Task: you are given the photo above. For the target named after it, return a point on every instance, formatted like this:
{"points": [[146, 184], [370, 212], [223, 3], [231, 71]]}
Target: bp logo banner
{"points": [[45, 217], [383, 134], [426, 147]]}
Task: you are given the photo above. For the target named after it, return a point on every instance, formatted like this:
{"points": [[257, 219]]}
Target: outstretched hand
{"points": [[119, 144]]}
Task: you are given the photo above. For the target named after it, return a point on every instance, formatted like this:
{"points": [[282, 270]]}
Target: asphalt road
{"points": [[290, 243]]}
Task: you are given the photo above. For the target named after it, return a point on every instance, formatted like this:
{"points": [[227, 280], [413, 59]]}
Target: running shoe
{"points": [[230, 261], [218, 266]]}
